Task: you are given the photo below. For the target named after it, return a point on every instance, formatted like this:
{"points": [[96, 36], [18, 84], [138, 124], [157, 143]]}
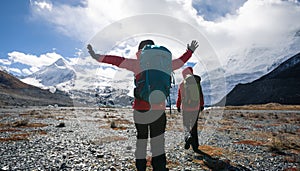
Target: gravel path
{"points": [[42, 138]]}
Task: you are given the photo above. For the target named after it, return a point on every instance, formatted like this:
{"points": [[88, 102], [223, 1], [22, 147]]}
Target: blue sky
{"points": [[20, 32], [35, 33]]}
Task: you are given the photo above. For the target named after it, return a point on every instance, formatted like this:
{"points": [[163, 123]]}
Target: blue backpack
{"points": [[154, 82]]}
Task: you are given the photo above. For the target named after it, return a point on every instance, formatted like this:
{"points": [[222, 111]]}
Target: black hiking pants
{"points": [[151, 123], [190, 124]]}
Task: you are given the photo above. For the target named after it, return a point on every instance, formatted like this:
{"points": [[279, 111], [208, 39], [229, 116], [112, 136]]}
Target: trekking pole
{"points": [[172, 81], [170, 104]]}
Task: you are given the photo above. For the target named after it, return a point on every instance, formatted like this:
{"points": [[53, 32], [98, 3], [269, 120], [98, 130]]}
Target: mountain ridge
{"points": [[14, 92], [281, 85]]}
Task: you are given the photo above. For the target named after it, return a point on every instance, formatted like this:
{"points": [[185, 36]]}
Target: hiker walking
{"points": [[190, 100], [149, 109]]}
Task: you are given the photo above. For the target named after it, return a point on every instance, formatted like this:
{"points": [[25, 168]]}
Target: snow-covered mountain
{"points": [[246, 65], [86, 81], [57, 75], [279, 86], [89, 81], [101, 84]]}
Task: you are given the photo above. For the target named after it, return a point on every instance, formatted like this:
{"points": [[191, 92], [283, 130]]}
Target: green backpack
{"points": [[191, 91], [155, 77]]}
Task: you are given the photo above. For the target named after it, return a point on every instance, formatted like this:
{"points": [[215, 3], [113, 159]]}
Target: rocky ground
{"points": [[54, 138]]}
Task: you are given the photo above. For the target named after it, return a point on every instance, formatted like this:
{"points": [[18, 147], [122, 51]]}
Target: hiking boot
{"points": [[195, 149], [188, 141], [159, 163]]}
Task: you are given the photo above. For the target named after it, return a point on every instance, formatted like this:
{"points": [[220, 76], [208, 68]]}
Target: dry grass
{"points": [[109, 139], [212, 151], [10, 130], [15, 137], [282, 142], [260, 134], [117, 124], [42, 114], [108, 110], [123, 121], [40, 132], [26, 124], [120, 128], [227, 122], [174, 125], [249, 142], [268, 106], [225, 128], [19, 136], [17, 130], [36, 125], [172, 164]]}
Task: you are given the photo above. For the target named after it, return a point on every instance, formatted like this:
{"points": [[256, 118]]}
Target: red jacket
{"points": [[186, 108], [134, 66]]}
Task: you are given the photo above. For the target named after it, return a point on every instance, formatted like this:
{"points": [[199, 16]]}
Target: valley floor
{"points": [[261, 137]]}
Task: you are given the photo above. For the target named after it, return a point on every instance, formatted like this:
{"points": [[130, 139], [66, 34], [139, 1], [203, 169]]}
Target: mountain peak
{"points": [[54, 74], [60, 63]]}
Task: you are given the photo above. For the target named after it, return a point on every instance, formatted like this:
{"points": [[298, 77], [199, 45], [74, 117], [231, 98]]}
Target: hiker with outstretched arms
{"points": [[149, 115], [190, 100]]}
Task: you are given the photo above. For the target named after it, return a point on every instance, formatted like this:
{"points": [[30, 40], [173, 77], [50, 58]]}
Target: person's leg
{"points": [[157, 141], [186, 118], [186, 121], [141, 145], [194, 132]]}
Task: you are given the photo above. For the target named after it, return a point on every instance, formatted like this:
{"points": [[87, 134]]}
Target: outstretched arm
{"points": [[177, 63], [118, 61]]}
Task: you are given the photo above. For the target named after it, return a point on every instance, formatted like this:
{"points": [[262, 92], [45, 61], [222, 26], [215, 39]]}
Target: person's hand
{"points": [[91, 51], [193, 46], [178, 109]]}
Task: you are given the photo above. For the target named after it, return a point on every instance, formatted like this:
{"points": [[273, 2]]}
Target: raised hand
{"points": [[91, 51], [194, 45]]}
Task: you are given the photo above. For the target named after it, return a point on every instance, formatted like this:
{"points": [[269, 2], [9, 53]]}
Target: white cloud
{"points": [[35, 62], [235, 25], [41, 5], [255, 16], [261, 23], [5, 61], [83, 22], [14, 70]]}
